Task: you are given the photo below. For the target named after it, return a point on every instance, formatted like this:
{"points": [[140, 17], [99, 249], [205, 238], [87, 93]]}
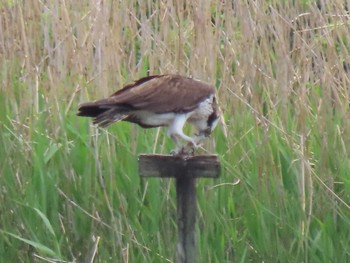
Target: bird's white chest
{"points": [[199, 117]]}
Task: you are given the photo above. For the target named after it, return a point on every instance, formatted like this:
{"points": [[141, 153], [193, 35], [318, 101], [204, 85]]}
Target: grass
{"points": [[70, 192]]}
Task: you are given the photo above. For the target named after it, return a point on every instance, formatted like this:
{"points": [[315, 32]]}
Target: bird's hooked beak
{"points": [[203, 134], [206, 133]]}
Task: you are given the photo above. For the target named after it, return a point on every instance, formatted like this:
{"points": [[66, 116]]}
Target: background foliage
{"points": [[70, 192]]}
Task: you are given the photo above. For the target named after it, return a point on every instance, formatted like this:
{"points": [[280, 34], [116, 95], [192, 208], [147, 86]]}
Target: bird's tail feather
{"points": [[108, 117], [91, 109], [103, 114]]}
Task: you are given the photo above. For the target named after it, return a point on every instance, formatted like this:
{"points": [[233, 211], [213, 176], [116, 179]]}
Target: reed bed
{"points": [[70, 192]]}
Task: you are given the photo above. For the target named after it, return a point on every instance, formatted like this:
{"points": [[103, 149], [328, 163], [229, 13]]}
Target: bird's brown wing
{"points": [[162, 93]]}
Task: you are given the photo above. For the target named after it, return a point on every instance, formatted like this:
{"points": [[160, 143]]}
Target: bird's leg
{"points": [[182, 149], [197, 138], [178, 148], [175, 132], [195, 142]]}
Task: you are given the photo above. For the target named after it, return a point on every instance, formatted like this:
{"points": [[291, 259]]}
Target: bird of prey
{"points": [[161, 100]]}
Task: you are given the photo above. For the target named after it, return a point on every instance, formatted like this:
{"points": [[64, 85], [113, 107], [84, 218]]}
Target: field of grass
{"points": [[70, 192]]}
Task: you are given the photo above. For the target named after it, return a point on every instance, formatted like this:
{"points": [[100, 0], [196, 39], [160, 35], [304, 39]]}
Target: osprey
{"points": [[160, 100]]}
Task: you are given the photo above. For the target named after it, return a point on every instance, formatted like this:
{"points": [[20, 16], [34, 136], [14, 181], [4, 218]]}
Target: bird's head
{"points": [[212, 121]]}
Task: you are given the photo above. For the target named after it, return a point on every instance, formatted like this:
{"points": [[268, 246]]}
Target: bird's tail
{"points": [[103, 113]]}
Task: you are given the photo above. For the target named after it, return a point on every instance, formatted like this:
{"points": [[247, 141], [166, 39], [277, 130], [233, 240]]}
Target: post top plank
{"points": [[156, 165]]}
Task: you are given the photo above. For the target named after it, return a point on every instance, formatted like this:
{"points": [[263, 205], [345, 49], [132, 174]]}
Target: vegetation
{"points": [[70, 192]]}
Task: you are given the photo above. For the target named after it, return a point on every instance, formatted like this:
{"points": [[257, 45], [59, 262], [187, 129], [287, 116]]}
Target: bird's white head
{"points": [[212, 120]]}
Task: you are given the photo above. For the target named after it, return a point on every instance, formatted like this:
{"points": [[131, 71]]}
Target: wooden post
{"points": [[185, 171], [186, 219]]}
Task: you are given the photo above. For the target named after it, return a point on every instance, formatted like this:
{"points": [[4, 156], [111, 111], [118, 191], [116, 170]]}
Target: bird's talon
{"points": [[173, 152], [184, 152], [177, 151]]}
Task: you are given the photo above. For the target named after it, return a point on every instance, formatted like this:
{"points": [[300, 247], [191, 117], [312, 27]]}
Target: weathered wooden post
{"points": [[185, 170]]}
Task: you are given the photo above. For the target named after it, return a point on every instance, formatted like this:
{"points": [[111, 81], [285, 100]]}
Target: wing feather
{"points": [[162, 94]]}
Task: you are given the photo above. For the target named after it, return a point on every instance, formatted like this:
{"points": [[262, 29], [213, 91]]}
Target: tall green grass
{"points": [[70, 192]]}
